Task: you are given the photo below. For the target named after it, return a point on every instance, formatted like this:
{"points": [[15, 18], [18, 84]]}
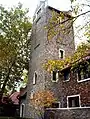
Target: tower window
{"points": [[66, 74], [38, 20], [55, 76], [35, 77], [39, 11], [61, 53], [73, 101]]}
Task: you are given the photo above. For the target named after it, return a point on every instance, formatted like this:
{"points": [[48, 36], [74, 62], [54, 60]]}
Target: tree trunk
{"points": [[5, 82]]}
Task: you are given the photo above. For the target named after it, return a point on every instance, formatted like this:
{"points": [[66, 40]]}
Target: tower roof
{"points": [[66, 13]]}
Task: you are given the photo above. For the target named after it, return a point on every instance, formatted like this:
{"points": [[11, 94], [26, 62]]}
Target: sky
{"points": [[63, 5]]}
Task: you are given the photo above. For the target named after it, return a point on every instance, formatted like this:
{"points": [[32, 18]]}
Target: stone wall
{"points": [[42, 50], [79, 113]]}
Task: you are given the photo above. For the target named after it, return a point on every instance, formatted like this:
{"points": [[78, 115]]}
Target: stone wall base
{"points": [[64, 113]]}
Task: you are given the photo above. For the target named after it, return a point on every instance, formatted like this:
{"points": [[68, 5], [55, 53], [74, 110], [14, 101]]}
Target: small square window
{"points": [[73, 101], [56, 105]]}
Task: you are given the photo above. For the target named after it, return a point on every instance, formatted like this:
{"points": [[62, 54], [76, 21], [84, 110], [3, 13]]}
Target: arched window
{"points": [[61, 54]]}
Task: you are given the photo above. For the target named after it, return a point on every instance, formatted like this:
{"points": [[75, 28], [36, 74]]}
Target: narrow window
{"points": [[61, 53], [39, 11], [35, 77], [73, 101], [38, 20], [55, 76], [22, 109]]}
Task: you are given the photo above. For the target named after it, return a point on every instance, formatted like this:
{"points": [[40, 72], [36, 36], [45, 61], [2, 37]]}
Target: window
{"points": [[22, 109], [83, 73], [35, 77], [38, 20], [39, 11], [55, 76], [66, 74], [61, 53], [73, 101], [56, 105]]}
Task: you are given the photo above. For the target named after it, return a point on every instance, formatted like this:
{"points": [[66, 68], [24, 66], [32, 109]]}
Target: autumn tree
{"points": [[15, 29], [58, 23], [80, 16], [41, 100]]}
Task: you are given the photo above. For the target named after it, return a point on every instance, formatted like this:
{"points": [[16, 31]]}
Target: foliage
{"points": [[82, 51], [42, 99], [15, 27], [60, 24]]}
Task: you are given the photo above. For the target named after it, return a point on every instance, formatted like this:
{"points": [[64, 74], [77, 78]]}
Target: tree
{"points": [[41, 100], [58, 23], [71, 61], [80, 11], [15, 27]]}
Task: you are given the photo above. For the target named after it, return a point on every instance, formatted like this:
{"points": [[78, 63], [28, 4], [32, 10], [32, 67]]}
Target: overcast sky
{"points": [[62, 5], [31, 4]]}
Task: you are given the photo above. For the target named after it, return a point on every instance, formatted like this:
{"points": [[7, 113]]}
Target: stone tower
{"points": [[42, 50]]}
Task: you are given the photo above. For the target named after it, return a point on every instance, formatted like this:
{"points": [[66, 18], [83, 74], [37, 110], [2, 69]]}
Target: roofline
{"points": [[66, 13], [84, 58]]}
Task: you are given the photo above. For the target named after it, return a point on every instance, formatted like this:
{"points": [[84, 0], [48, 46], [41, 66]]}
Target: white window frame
{"points": [[82, 80], [73, 96], [34, 80], [21, 110], [63, 53], [57, 76]]}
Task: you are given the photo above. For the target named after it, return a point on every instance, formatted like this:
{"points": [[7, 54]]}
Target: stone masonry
{"points": [[42, 50]]}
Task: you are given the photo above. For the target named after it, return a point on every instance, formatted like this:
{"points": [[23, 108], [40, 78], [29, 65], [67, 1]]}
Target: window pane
{"points": [[73, 101], [54, 75], [61, 52]]}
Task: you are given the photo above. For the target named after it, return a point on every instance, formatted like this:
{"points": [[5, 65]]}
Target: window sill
{"points": [[83, 80], [66, 80], [54, 81]]}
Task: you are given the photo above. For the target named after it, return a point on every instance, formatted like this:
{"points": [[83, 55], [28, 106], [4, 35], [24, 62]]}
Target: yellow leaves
{"points": [[81, 52], [43, 99]]}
